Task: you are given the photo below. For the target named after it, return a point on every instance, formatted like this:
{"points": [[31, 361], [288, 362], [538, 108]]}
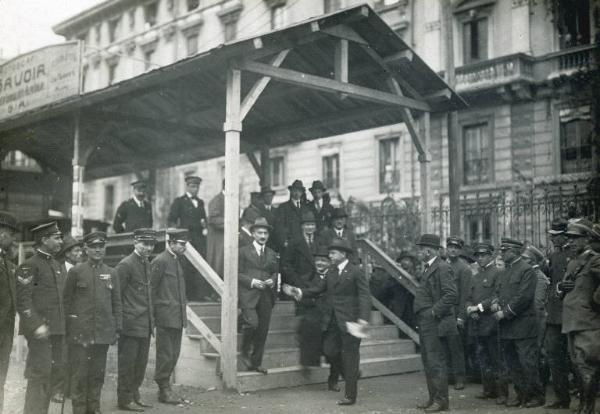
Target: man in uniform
{"points": [[481, 325], [168, 293], [216, 235], [515, 310], [434, 305], [257, 280], [340, 230], [349, 301], [40, 283], [581, 310], [71, 252], [8, 299], [320, 205], [555, 342], [288, 217], [456, 344], [94, 320], [534, 258], [138, 320], [136, 212]]}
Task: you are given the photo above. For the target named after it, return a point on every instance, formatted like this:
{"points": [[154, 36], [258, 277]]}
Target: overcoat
{"points": [[297, 262], [216, 235], [168, 291], [183, 214], [130, 216], [288, 221], [328, 235], [322, 215], [581, 312], [136, 295], [463, 275], [8, 294], [482, 289], [558, 267]]}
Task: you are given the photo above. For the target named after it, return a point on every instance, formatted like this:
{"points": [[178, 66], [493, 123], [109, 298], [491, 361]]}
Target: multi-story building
{"points": [[527, 69]]}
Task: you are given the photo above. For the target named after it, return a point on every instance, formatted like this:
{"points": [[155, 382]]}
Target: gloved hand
{"points": [[566, 286], [499, 315]]}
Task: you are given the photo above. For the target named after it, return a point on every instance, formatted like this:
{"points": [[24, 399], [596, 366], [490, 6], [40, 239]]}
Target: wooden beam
{"points": [[255, 164], [396, 320], [330, 85], [265, 163], [77, 188], [204, 330], [340, 62], [425, 173], [404, 56], [260, 85], [441, 95], [204, 268], [344, 32]]}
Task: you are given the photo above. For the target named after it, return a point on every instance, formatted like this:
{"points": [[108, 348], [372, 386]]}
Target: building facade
{"points": [[528, 141]]}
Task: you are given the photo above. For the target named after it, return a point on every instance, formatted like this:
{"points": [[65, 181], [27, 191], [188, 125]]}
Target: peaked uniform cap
{"points": [[430, 240], [340, 244], [261, 222], [507, 243], [178, 234], [95, 237], [483, 248], [533, 253], [139, 183], [46, 229], [144, 234], [194, 179], [579, 228], [8, 220], [558, 226], [455, 241]]}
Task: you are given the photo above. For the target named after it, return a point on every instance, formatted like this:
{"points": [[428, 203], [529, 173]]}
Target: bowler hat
{"points": [[317, 185], [68, 243], [180, 235], [308, 217], [559, 226], [267, 190], [430, 240], [46, 229], [339, 212], [144, 234], [579, 228], [533, 253], [483, 248], [250, 214], [261, 222], [340, 244], [455, 241], [508, 243], [297, 184], [194, 179], [8, 220], [321, 252], [95, 237]]}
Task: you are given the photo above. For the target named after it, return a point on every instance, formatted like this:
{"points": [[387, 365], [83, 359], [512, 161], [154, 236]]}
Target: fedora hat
{"points": [[317, 185], [8, 220], [429, 240], [297, 184], [340, 244], [339, 212], [559, 226], [68, 243], [261, 222]]}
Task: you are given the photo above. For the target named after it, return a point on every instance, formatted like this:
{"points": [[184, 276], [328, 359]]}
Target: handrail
{"points": [[393, 269], [204, 268], [412, 334], [204, 330]]}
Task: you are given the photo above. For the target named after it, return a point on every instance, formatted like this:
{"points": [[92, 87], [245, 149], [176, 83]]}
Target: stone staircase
{"points": [[383, 353]]}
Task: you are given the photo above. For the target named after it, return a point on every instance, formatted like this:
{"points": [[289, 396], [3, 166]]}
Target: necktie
{"points": [[297, 204]]}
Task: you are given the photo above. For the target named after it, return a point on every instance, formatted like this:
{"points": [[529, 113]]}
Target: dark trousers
{"points": [[455, 356], [255, 327], [489, 361], [309, 334], [521, 365], [88, 365], [557, 354], [197, 289], [168, 346], [343, 353], [433, 354], [7, 332], [133, 358], [44, 371]]}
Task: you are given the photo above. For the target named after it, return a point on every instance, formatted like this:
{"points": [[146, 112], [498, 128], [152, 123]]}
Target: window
{"points": [[148, 55], [230, 31], [192, 4], [331, 5], [192, 44], [331, 171], [479, 228], [389, 165], [109, 202], [575, 145], [132, 19], [112, 72], [477, 167], [113, 29], [84, 74], [83, 37], [277, 16], [150, 13], [98, 31], [276, 166], [17, 160], [573, 22], [475, 40]]}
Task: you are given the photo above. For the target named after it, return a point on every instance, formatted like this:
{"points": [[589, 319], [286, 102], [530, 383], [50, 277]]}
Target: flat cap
{"points": [[483, 248], [8, 220], [429, 240], [508, 243], [45, 229], [455, 241], [180, 235], [194, 179], [144, 234], [95, 237], [559, 226], [340, 244]]}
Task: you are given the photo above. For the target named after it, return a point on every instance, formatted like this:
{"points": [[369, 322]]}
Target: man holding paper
{"points": [[347, 294]]}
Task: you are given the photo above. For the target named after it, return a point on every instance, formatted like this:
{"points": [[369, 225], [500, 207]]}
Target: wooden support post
{"points": [[265, 165], [340, 62], [78, 170], [232, 128], [425, 173]]}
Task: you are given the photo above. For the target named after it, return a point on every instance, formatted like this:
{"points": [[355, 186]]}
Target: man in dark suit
{"points": [[267, 210], [216, 235], [40, 284], [297, 261], [257, 280], [340, 230], [138, 320], [136, 212], [187, 212], [169, 300], [349, 299], [434, 304], [246, 221], [320, 205], [288, 217], [94, 319], [515, 310], [8, 298]]}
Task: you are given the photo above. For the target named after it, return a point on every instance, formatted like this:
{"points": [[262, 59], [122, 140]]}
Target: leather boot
{"points": [[588, 396]]}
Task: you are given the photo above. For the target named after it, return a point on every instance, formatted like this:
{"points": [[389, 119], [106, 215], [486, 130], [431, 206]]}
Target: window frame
{"points": [[148, 6], [581, 111], [472, 119], [283, 157], [398, 136], [273, 16], [114, 26], [467, 14], [188, 37]]}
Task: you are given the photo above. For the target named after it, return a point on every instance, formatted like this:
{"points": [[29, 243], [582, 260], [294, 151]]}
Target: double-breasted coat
{"points": [[463, 275], [136, 295], [168, 291], [130, 216], [581, 309], [558, 267], [8, 295], [185, 215], [251, 266], [482, 289]]}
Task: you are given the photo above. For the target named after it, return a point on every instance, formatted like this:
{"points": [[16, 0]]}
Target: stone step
{"points": [[284, 357], [293, 376], [203, 309], [279, 322], [287, 338]]}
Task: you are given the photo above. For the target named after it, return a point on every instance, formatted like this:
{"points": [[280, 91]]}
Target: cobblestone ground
{"points": [[391, 394]]}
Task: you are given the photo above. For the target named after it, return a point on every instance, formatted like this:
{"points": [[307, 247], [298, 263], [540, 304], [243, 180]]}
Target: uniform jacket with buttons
{"points": [[463, 275], [168, 291], [558, 267], [136, 295], [40, 284], [183, 214], [516, 297], [8, 294], [130, 216], [581, 312], [437, 293], [251, 266], [93, 304], [482, 289]]}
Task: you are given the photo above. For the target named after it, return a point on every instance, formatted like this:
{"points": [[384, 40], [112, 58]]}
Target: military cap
{"points": [[467, 253], [46, 229], [341, 245], [455, 241], [533, 253], [144, 234], [559, 226], [193, 179], [429, 240], [297, 184], [308, 217], [68, 243], [483, 248], [95, 237], [180, 235], [8, 220], [267, 190], [508, 243], [321, 252], [317, 185], [139, 183], [261, 223], [339, 212], [579, 228]]}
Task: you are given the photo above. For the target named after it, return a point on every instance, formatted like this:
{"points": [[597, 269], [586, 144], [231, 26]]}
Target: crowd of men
{"points": [[474, 310]]}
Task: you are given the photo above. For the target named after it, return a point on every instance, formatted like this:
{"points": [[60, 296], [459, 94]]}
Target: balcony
{"points": [[566, 63], [493, 73]]}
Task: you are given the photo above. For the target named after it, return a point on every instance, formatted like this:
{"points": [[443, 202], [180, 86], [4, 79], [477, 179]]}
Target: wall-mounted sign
{"points": [[39, 78]]}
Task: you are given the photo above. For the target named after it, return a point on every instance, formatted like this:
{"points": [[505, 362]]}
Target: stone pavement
{"points": [[391, 394]]}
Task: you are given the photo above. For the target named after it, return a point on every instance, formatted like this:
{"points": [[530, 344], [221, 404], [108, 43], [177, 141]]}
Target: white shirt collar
{"points": [[257, 246], [189, 195], [245, 230], [137, 201], [430, 262], [342, 266]]}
